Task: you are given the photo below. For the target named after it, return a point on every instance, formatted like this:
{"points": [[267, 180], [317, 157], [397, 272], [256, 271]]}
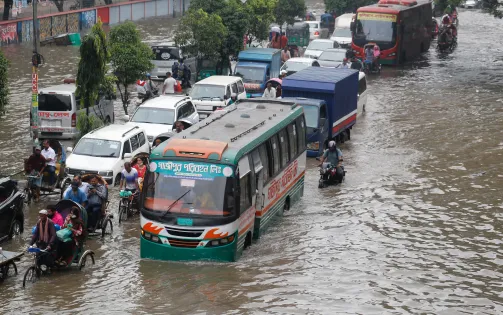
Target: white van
{"points": [[362, 94], [216, 92], [58, 109], [342, 30], [104, 151]]}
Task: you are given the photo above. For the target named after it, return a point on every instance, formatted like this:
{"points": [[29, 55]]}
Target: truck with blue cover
{"points": [[329, 97], [256, 66]]}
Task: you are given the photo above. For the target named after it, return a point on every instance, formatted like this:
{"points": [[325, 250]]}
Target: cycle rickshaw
{"points": [[104, 223], [80, 256], [128, 204]]}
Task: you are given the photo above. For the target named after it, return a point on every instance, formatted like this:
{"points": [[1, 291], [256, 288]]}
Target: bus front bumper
{"points": [[157, 251]]}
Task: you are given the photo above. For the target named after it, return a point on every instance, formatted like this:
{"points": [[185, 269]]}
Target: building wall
{"points": [[13, 32]]}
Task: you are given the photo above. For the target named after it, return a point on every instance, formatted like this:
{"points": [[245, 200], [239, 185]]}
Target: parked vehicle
{"points": [[11, 209], [386, 24], [469, 4], [338, 88], [256, 66], [298, 36], [296, 64], [209, 67], [332, 58], [216, 92], [317, 46], [158, 114], [342, 31], [104, 151], [165, 55], [316, 31], [58, 108], [208, 192]]}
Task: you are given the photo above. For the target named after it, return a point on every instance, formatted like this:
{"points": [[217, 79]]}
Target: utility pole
{"points": [[36, 59]]}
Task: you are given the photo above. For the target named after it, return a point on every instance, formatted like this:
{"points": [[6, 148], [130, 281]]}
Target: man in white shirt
{"points": [[169, 84], [50, 158], [269, 92]]}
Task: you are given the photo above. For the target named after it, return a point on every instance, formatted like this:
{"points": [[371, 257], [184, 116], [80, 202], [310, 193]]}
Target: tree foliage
{"points": [[92, 69], [493, 7], [288, 10], [4, 83], [130, 58], [261, 17], [201, 34], [346, 6]]}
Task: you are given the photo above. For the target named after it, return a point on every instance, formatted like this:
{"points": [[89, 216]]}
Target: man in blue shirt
{"points": [[75, 194]]}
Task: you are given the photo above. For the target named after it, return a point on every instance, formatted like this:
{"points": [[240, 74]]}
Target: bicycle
{"points": [[126, 205]]}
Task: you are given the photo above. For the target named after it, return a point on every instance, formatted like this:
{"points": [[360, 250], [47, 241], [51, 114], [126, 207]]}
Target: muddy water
{"points": [[415, 228]]}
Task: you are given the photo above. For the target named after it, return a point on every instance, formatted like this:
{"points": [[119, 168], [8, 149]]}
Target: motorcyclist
{"points": [[447, 23], [143, 90], [334, 158]]}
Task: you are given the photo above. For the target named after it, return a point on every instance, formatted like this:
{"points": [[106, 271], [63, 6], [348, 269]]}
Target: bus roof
{"points": [[227, 135], [393, 6]]}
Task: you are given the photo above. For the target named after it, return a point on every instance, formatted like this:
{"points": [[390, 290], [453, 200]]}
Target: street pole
{"points": [[34, 77]]}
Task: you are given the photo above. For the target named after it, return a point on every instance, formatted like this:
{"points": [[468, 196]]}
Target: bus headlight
{"points": [[313, 145], [155, 238], [220, 242]]}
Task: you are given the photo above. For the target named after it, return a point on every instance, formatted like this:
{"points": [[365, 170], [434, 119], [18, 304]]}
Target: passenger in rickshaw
{"points": [[285, 54], [66, 250], [140, 167], [83, 186], [369, 54], [35, 166], [45, 238], [156, 143], [54, 215], [50, 158], [377, 55], [179, 126], [75, 194], [96, 197]]}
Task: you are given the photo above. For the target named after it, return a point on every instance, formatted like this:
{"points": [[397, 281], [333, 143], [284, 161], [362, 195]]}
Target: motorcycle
{"points": [[328, 175], [445, 39]]}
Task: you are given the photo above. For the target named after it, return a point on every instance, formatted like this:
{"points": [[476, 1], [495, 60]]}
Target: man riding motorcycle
{"points": [[334, 158], [447, 23], [146, 88]]}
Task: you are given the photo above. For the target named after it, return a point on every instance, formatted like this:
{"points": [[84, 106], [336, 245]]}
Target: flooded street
{"points": [[415, 228]]}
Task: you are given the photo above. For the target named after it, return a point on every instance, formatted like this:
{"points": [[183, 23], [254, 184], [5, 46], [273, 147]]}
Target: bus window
{"points": [[283, 141], [301, 134], [275, 154], [245, 200], [292, 139], [265, 162]]}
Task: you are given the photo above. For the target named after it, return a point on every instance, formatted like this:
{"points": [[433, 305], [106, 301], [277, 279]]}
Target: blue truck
{"points": [[329, 97], [256, 66]]}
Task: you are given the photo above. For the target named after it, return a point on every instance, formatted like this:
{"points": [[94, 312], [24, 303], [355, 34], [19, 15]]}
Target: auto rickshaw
{"points": [[208, 67], [298, 37]]}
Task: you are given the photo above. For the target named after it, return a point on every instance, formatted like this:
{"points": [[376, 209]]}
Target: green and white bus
{"points": [[213, 187]]}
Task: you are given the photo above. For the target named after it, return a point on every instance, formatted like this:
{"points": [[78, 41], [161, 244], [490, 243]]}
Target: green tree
{"points": [[261, 17], [91, 73], [288, 10], [201, 34], [4, 83], [493, 7], [130, 58]]}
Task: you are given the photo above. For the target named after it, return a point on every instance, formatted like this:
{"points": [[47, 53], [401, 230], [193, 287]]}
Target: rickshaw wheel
{"points": [[107, 227], [83, 258], [123, 211], [31, 275], [29, 195]]}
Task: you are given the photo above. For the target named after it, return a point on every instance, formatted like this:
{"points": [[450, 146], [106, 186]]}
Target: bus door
{"points": [[245, 170]]}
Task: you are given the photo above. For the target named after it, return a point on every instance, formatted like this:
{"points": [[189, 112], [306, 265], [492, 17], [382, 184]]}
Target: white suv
{"points": [[105, 150], [157, 115]]}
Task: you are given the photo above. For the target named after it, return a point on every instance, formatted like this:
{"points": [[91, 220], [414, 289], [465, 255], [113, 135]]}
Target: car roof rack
{"points": [[92, 131], [125, 133]]}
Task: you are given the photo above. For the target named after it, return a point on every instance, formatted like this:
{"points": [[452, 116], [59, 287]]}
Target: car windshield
{"points": [[190, 188], [151, 115], [293, 66], [333, 55], [98, 148], [342, 32], [312, 113], [54, 102], [320, 45], [250, 74], [207, 91], [376, 27]]}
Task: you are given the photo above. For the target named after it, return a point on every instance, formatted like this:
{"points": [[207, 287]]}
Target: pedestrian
{"points": [[285, 54], [269, 92], [169, 84]]}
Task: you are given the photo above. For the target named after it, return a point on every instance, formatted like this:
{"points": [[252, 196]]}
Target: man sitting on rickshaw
{"points": [[50, 158], [96, 197], [35, 166], [66, 249], [45, 238]]}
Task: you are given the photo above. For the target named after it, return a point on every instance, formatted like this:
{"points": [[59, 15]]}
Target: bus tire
{"points": [[422, 48], [248, 240], [286, 206]]}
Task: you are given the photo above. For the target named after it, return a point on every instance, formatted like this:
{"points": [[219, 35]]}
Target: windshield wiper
{"points": [[174, 203], [105, 155]]}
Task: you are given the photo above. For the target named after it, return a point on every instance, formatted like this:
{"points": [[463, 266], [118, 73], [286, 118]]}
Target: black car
{"points": [[11, 209]]}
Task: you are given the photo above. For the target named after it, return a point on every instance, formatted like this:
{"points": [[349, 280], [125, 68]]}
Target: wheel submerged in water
{"points": [[87, 256], [107, 228], [31, 276]]}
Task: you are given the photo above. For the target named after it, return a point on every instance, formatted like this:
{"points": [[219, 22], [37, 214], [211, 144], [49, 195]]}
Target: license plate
{"points": [[51, 123], [184, 221], [201, 116]]}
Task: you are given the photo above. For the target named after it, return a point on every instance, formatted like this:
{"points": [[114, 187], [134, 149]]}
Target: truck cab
{"points": [[316, 113], [256, 66]]}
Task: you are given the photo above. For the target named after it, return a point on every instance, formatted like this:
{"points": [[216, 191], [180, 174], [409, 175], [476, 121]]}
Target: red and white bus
{"points": [[401, 29]]}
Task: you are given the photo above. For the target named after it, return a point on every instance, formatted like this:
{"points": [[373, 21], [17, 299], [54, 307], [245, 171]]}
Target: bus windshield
{"points": [[376, 27], [190, 188]]}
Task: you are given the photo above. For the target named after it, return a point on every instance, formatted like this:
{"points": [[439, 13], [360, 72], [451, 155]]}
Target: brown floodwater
{"points": [[415, 228]]}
